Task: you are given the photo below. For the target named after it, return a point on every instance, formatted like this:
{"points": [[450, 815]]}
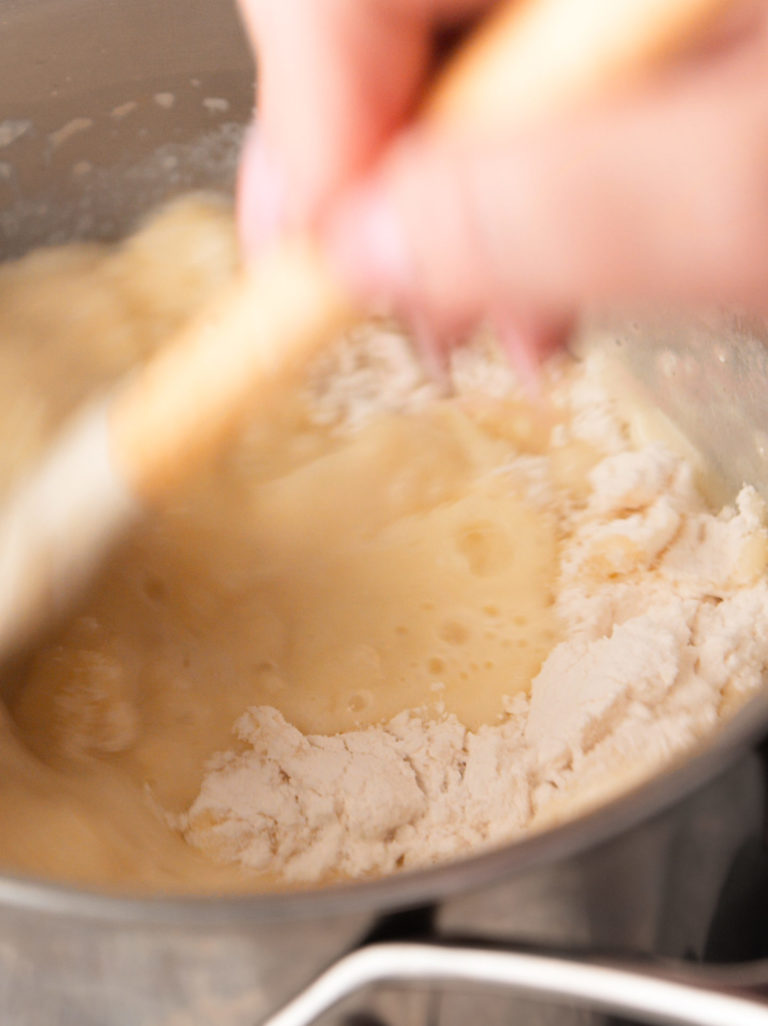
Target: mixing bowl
{"points": [[108, 107]]}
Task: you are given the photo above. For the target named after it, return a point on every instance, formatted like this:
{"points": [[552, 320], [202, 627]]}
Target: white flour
{"points": [[665, 608]]}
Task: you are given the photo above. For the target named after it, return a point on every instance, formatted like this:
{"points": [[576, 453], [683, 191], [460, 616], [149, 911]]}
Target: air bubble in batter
{"points": [[269, 677], [482, 548], [359, 701], [454, 633]]}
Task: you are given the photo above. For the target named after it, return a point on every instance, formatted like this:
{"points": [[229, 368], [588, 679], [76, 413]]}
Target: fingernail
{"points": [[431, 349], [523, 356], [260, 197], [365, 241]]}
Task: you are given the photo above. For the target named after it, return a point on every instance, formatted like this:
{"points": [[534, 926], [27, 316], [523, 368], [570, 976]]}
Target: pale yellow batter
{"points": [[340, 578], [390, 626]]}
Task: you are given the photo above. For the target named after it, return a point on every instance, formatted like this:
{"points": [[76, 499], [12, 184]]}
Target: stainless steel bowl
{"points": [[108, 107]]}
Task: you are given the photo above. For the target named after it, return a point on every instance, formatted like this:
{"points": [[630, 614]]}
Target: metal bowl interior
{"points": [[107, 109]]}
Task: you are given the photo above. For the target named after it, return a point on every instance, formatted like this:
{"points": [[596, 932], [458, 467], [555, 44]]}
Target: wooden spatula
{"points": [[125, 451]]}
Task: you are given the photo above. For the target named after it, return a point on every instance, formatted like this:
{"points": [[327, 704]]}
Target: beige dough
{"points": [[375, 547]]}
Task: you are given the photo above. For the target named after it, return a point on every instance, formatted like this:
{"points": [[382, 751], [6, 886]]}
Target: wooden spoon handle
{"points": [[535, 58], [238, 355], [531, 59]]}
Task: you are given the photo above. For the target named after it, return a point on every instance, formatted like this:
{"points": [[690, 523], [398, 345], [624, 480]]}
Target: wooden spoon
{"points": [[126, 451]]}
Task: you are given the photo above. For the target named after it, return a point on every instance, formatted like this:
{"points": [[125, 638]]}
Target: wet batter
{"points": [[338, 577]]}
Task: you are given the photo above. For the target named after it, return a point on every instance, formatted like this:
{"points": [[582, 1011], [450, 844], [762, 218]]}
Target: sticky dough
{"points": [[394, 623]]}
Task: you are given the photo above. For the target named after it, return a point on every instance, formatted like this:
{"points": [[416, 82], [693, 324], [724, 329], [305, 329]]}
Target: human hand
{"points": [[656, 195]]}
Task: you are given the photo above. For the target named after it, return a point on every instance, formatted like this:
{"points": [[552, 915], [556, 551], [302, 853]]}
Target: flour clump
{"points": [[664, 607]]}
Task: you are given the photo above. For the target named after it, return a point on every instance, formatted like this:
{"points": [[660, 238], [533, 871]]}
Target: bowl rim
{"points": [[408, 888]]}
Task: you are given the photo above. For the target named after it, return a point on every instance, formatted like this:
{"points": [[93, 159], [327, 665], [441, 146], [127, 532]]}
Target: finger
{"points": [[663, 196], [527, 343], [735, 25], [335, 79]]}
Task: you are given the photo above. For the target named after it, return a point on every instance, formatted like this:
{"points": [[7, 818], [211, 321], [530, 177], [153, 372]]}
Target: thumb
{"points": [[657, 197]]}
